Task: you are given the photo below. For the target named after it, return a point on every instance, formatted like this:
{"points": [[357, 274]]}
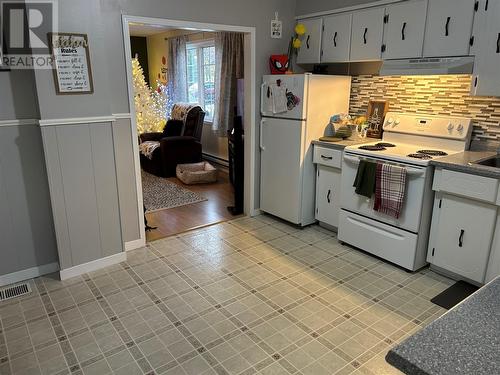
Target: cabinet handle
{"points": [[447, 27], [335, 39], [307, 41], [364, 35], [328, 195], [403, 31], [498, 43], [486, 5], [461, 238], [326, 157], [476, 6]]}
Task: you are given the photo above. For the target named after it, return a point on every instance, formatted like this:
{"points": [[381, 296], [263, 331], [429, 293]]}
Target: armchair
{"points": [[179, 143]]}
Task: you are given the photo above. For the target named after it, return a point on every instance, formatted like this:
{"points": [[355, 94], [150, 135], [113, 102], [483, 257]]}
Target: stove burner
{"points": [[385, 144], [420, 156], [372, 148], [432, 152]]}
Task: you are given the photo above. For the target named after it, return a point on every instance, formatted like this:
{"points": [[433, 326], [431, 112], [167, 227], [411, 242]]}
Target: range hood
{"points": [[428, 66]]}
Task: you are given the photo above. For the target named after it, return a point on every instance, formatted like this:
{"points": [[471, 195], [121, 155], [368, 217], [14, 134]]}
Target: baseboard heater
{"points": [[216, 160]]}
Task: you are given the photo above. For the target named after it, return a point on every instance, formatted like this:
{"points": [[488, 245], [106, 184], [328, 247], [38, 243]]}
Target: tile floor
{"points": [[250, 296]]}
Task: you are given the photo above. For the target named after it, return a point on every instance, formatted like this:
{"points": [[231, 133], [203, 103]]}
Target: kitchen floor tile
{"points": [[253, 295]]}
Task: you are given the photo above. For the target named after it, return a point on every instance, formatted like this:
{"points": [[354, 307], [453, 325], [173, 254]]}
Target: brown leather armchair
{"points": [[180, 143]]}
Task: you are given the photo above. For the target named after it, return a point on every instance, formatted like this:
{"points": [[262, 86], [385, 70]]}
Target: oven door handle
{"points": [[411, 172]]}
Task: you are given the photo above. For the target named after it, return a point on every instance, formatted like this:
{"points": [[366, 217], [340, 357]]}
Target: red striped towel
{"points": [[390, 188]]}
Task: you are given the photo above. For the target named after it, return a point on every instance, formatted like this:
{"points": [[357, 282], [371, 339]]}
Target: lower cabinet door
{"points": [[462, 239], [328, 195]]}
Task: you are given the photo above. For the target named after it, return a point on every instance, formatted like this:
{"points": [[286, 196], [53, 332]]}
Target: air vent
{"points": [[14, 291]]}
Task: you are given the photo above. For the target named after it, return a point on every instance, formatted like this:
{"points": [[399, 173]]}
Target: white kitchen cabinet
{"points": [[449, 28], [486, 77], [461, 236], [328, 195], [479, 26], [310, 51], [336, 40], [404, 29], [366, 34], [493, 269]]}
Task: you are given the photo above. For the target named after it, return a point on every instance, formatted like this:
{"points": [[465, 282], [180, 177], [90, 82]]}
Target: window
{"points": [[201, 76]]}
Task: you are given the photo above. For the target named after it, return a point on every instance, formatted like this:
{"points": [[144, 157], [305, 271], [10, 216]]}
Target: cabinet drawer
{"points": [[466, 185], [327, 156]]}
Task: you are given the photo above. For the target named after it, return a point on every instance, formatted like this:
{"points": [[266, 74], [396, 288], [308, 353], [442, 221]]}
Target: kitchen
{"points": [[434, 63]]}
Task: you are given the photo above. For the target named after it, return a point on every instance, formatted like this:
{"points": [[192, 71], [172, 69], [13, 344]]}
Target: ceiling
{"points": [[138, 29]]}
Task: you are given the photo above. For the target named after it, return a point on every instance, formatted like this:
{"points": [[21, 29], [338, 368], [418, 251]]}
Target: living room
{"points": [[188, 93]]}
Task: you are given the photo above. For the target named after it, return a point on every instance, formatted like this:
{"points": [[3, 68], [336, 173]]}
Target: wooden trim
{"points": [[28, 273], [119, 116], [348, 9], [18, 122], [136, 244], [94, 265], [76, 120]]}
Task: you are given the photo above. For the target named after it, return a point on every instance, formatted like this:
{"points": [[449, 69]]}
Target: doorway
{"points": [[210, 201]]}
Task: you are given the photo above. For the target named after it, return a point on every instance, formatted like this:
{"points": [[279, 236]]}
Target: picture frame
{"points": [[377, 109], [71, 67]]}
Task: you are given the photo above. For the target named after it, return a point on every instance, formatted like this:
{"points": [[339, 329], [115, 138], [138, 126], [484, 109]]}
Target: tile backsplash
{"points": [[438, 95]]}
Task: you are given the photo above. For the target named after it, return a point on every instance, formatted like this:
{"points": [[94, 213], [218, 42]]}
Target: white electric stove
{"points": [[410, 141]]}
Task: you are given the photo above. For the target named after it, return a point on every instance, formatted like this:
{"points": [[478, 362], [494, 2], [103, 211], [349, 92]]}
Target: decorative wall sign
{"points": [[72, 70], [276, 27]]}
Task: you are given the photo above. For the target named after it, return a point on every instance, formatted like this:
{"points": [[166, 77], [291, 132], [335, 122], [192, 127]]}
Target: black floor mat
{"points": [[454, 294]]}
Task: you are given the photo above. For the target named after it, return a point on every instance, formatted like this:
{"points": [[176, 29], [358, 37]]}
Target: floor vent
{"points": [[14, 291]]}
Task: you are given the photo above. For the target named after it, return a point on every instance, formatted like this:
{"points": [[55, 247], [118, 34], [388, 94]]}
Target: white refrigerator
{"points": [[287, 172]]}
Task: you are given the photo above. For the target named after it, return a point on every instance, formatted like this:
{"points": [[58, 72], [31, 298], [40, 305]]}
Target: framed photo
{"points": [[72, 66], [377, 109]]}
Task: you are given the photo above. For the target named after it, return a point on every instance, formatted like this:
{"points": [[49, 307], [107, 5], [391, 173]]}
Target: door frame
{"points": [[249, 113]]}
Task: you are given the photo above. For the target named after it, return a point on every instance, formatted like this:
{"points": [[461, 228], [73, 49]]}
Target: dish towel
{"points": [[390, 189], [365, 178]]}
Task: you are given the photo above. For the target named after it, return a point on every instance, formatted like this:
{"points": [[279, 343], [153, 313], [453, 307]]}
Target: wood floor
{"points": [[181, 219]]}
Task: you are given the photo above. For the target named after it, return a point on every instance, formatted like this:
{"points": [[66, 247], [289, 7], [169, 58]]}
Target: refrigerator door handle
{"points": [[261, 135], [262, 87]]}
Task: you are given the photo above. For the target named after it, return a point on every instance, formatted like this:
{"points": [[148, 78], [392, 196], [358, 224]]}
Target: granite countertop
{"points": [[351, 141], [463, 162], [465, 340]]}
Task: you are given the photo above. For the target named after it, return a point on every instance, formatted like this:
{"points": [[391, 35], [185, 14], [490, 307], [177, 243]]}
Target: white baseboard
{"points": [[92, 266], [136, 244], [29, 273]]}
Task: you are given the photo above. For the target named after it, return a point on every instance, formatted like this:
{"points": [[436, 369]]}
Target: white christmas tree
{"points": [[151, 106]]}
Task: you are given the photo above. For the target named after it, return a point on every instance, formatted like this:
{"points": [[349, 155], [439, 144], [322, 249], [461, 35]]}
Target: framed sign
{"points": [[71, 64]]}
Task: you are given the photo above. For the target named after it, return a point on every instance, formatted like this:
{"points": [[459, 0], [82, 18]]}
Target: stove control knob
{"points": [[390, 121], [450, 126], [396, 122], [460, 127]]}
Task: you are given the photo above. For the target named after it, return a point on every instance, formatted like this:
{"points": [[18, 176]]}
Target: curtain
{"points": [[177, 69], [229, 56]]}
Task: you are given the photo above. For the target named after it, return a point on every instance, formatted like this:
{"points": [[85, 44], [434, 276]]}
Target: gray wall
{"points": [[18, 98], [313, 6], [84, 193], [26, 226]]}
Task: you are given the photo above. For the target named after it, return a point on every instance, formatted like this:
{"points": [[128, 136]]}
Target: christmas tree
{"points": [[151, 106]]}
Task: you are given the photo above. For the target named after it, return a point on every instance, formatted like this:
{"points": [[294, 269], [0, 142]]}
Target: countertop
{"points": [[351, 141], [462, 162], [465, 340]]}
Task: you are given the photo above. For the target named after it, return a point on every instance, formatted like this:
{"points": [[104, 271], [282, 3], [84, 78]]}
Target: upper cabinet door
{"points": [[404, 29], [486, 79], [479, 26], [366, 34], [310, 51], [336, 40], [449, 28]]}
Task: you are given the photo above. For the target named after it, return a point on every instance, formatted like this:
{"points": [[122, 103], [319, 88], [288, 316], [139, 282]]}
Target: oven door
{"points": [[412, 205]]}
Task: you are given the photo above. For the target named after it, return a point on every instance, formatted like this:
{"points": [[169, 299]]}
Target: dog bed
{"points": [[196, 173]]}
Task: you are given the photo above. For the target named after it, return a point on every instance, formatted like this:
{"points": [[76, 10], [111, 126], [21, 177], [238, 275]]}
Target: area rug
{"points": [[160, 194], [454, 294]]}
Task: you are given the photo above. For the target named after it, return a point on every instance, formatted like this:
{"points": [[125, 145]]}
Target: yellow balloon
{"points": [[297, 43], [300, 29]]}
